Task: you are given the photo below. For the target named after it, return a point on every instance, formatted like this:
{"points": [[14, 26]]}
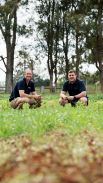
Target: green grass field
{"points": [[50, 117], [52, 143]]}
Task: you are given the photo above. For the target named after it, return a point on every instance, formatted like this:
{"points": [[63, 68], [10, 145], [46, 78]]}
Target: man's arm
{"points": [[80, 95], [38, 97], [63, 95], [34, 95]]}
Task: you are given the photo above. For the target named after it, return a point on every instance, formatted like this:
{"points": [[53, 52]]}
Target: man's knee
{"points": [[12, 104], [62, 102], [15, 102], [25, 100], [18, 102], [20, 106], [83, 99], [31, 101]]}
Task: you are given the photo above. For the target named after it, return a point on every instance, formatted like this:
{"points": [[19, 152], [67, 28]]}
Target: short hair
{"points": [[71, 71], [28, 69]]}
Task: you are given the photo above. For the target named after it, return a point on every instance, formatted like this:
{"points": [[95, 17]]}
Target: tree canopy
{"points": [[68, 33]]}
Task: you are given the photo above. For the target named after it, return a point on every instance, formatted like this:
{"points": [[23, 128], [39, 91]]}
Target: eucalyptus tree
{"points": [[55, 31], [76, 19], [65, 36], [45, 33], [94, 35], [72, 17], [57, 39], [48, 28], [9, 28], [25, 60], [62, 21]]}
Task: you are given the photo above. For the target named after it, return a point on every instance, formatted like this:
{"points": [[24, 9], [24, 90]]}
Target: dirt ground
{"points": [[56, 158]]}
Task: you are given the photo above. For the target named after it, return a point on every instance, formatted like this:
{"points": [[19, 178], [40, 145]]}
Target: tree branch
{"points": [[13, 10], [14, 31], [73, 5], [3, 61], [2, 31], [97, 66], [41, 43], [3, 70]]}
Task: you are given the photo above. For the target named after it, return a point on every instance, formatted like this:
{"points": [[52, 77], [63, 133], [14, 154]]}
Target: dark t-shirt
{"points": [[74, 89], [21, 85]]}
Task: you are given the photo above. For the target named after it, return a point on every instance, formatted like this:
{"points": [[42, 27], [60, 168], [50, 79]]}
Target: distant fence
{"points": [[91, 89], [43, 90], [51, 89], [2, 89]]}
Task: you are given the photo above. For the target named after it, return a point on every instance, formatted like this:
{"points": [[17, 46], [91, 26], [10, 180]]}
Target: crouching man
{"points": [[21, 91], [76, 89]]}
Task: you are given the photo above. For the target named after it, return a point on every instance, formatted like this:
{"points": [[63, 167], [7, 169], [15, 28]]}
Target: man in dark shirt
{"points": [[76, 89], [21, 91]]}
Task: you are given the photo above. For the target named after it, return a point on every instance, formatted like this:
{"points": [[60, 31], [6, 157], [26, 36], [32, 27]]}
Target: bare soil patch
{"points": [[56, 158]]}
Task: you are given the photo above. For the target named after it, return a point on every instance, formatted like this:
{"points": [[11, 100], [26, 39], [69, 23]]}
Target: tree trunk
{"points": [[101, 78], [67, 66], [8, 86], [65, 40], [66, 54], [9, 64], [9, 69], [99, 56], [56, 50], [77, 53], [51, 79], [10, 38], [50, 44]]}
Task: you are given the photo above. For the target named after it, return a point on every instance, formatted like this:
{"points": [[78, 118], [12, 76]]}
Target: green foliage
{"points": [[91, 78], [86, 76], [51, 116], [23, 30], [38, 81]]}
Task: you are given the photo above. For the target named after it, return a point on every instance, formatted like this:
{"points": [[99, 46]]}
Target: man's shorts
{"points": [[73, 102], [18, 102]]}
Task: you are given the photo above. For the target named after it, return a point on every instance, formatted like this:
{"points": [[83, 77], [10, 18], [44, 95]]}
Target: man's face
{"points": [[72, 77], [28, 74]]}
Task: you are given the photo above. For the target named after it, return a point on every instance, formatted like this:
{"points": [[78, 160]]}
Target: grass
{"points": [[51, 116]]}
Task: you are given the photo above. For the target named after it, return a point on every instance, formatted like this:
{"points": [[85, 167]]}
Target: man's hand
{"points": [[38, 97], [71, 98], [65, 97]]}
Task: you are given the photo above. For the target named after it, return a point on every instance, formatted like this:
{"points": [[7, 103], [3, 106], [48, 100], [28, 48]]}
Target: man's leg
{"points": [[20, 106], [13, 104], [18, 102], [36, 104], [62, 101], [84, 99]]}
